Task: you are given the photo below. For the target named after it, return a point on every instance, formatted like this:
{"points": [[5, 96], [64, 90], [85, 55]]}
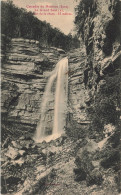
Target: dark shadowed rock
{"points": [[61, 51], [80, 174], [111, 159], [94, 177], [9, 183]]}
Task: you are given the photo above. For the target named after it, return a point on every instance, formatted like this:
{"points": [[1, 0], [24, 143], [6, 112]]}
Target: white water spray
{"points": [[59, 76]]}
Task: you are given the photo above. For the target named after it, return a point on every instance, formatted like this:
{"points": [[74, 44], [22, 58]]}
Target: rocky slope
{"points": [[49, 168]]}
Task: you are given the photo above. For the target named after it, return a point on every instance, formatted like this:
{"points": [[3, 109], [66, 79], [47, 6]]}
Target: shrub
{"points": [[84, 8], [103, 110]]}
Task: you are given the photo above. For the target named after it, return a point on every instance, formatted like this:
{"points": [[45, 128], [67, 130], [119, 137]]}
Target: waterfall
{"points": [[58, 80]]}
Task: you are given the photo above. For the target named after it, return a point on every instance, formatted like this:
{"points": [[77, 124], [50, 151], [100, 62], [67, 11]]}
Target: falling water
{"points": [[59, 79]]}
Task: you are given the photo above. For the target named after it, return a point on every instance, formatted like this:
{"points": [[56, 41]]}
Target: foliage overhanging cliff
{"points": [[18, 23], [98, 23]]}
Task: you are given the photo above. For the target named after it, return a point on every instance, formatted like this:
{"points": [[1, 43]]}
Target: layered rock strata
{"points": [[24, 76]]}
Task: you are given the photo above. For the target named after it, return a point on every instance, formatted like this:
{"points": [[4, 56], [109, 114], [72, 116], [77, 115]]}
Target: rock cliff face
{"points": [[101, 35], [102, 41], [77, 90], [89, 165], [24, 76], [77, 120]]}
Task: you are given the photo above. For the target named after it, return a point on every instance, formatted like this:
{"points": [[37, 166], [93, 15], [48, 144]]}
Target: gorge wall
{"points": [[92, 69], [89, 163], [101, 35], [24, 76], [98, 161], [25, 70]]}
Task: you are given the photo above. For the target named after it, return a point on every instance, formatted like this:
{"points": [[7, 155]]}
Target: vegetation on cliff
{"points": [[87, 9], [18, 22], [98, 22], [83, 10], [104, 105]]}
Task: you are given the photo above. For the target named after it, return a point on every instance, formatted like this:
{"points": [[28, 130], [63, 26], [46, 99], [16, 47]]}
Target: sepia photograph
{"points": [[60, 97]]}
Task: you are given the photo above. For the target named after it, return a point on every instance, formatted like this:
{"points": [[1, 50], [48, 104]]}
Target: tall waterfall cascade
{"points": [[56, 94]]}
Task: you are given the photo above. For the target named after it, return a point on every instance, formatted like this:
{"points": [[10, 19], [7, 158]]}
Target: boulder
{"points": [[109, 152], [111, 159], [10, 183], [94, 177], [86, 166], [12, 153], [80, 174], [61, 51], [35, 186], [19, 162], [60, 141]]}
